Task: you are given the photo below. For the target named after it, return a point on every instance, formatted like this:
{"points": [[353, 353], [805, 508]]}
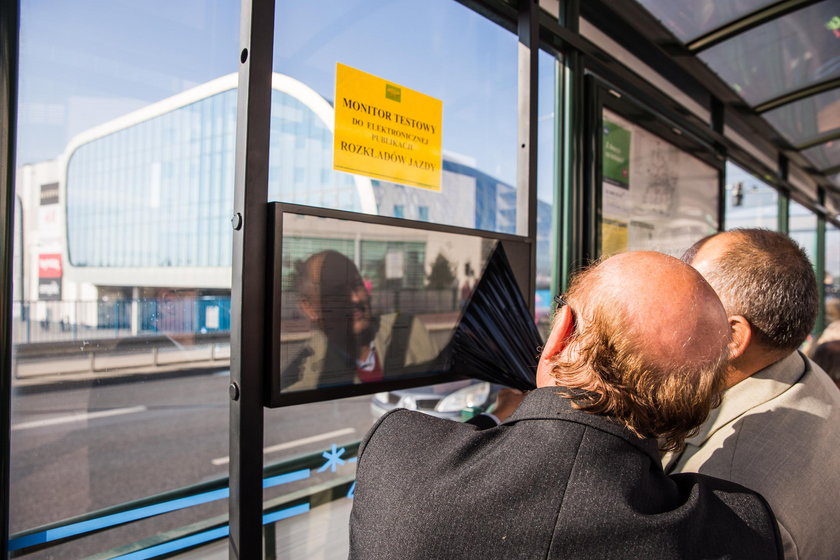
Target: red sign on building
{"points": [[49, 265]]}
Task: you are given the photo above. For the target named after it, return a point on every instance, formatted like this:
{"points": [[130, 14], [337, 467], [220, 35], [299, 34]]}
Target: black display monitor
{"points": [[361, 304]]}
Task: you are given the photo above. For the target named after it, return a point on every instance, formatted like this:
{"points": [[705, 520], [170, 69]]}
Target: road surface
{"points": [[79, 449]]}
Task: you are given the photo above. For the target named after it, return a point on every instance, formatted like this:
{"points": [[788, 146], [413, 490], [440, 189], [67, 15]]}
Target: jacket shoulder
{"points": [[733, 507], [395, 424]]}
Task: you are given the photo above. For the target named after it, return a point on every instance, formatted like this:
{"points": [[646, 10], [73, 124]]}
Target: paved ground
{"points": [[79, 449]]}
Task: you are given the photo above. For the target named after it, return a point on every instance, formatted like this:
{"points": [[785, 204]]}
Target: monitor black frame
{"points": [[516, 247]]}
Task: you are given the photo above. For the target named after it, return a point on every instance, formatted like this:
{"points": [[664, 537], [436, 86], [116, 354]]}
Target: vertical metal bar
{"points": [[783, 216], [557, 186], [572, 151], [588, 205], [819, 265], [721, 206], [9, 29], [570, 15], [718, 112], [528, 115], [248, 285], [270, 541], [573, 161]]}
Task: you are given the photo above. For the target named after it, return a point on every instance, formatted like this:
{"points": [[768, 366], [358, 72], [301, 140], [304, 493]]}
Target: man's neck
{"points": [[751, 362]]}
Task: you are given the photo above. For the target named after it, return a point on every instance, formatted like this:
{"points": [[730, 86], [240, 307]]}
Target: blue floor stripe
{"points": [[179, 544], [141, 513], [286, 478], [285, 513], [206, 536]]}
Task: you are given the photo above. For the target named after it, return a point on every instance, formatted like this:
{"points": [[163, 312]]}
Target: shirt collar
{"points": [[753, 391]]}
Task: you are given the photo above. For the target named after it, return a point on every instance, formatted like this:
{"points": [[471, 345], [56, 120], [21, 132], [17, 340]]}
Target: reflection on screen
{"points": [[364, 302]]}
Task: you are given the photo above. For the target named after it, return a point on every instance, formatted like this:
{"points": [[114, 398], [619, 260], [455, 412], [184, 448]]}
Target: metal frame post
{"points": [[248, 284], [557, 280], [9, 31], [528, 29], [819, 265], [783, 216], [572, 146], [718, 112]]}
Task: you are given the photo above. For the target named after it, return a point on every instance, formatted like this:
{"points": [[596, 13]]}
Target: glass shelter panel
{"points": [[824, 350], [780, 56], [654, 196], [550, 70], [750, 202], [449, 55], [122, 293], [807, 118], [832, 263], [689, 20], [824, 156]]}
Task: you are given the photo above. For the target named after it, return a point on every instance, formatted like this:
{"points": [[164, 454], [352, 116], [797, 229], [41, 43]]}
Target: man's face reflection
{"points": [[335, 298]]}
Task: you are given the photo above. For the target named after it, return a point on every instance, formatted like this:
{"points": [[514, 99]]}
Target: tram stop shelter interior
{"points": [[141, 144]]}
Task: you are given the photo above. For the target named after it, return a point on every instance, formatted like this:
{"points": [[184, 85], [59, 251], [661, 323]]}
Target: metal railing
{"points": [[203, 532]]}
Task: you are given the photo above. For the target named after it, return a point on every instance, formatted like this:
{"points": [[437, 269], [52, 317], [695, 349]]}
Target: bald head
{"points": [[648, 344], [667, 311]]}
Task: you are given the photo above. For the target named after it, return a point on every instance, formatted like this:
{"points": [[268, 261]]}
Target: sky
{"points": [[86, 62]]}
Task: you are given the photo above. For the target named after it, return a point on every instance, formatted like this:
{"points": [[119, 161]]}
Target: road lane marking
{"points": [[295, 443], [78, 417]]}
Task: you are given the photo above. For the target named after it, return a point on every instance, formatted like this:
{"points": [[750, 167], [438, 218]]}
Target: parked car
{"points": [[456, 400]]}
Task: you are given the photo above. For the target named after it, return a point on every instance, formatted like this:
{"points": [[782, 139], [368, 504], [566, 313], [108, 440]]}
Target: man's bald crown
{"points": [[664, 308], [648, 345]]}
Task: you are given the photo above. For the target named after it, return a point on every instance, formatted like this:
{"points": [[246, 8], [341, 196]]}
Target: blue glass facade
{"points": [[159, 193], [300, 159]]}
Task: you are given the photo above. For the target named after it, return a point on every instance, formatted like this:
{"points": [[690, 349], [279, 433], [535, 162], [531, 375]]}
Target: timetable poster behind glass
{"points": [[655, 196]]}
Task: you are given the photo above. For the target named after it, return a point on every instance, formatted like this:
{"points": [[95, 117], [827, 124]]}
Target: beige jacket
{"points": [[778, 432]]}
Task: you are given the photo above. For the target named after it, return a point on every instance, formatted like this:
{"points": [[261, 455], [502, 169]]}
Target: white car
{"points": [[456, 400]]}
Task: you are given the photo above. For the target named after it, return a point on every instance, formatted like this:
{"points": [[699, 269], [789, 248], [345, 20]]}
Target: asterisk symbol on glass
{"points": [[333, 457]]}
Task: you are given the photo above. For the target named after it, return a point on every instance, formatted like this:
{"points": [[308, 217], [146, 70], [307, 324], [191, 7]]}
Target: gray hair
{"points": [[766, 277]]}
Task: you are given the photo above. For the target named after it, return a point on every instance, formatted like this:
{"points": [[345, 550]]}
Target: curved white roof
{"points": [[279, 82]]}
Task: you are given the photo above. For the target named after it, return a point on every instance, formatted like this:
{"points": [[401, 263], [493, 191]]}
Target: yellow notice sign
{"points": [[385, 130], [613, 237]]}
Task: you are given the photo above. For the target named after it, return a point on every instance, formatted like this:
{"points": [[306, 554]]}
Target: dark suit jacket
{"points": [[550, 482]]}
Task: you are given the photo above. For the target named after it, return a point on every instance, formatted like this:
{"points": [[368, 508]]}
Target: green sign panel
{"points": [[616, 155]]}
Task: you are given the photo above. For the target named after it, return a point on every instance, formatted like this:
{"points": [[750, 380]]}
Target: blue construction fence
{"points": [[48, 321]]}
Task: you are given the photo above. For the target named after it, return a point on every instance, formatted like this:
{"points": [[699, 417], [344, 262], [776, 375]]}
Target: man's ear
{"points": [[308, 309], [558, 338], [741, 336]]}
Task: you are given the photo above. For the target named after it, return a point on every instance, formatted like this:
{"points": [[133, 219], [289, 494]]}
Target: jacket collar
{"points": [[753, 391], [548, 403]]}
